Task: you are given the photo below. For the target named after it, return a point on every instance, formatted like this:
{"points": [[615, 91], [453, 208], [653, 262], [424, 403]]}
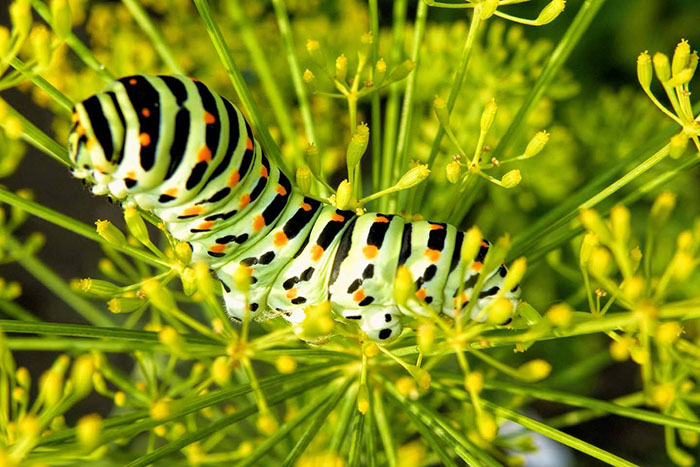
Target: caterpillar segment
{"points": [[170, 145]]}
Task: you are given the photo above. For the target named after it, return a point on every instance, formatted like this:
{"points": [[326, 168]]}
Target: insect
{"points": [[172, 146]]}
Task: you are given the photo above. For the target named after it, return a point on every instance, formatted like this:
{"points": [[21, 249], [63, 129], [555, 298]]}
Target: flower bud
{"points": [[266, 424], [620, 350], [357, 146], [188, 277], [488, 429], [41, 46], [310, 80], [488, 116], [363, 399], [51, 385], [343, 195], [160, 410], [421, 376], [474, 382], [303, 177], [119, 399], [370, 349], [136, 225], [560, 315], [661, 209], [425, 336], [515, 274], [99, 288], [589, 242], [413, 177], [241, 278], [13, 126], [535, 370], [488, 8], [29, 427], [668, 333], [678, 145], [110, 233], [600, 262], [681, 57], [285, 364], [312, 159], [205, 283], [511, 178], [633, 288], [183, 252], [592, 222], [21, 17], [401, 71], [662, 67], [536, 144], [159, 296], [693, 62], [318, 322], [620, 223], [81, 375], [23, 376], [221, 371], [550, 12], [440, 108], [471, 245], [682, 265], [500, 311], [379, 72], [61, 18], [644, 70], [404, 287], [314, 49], [683, 77], [341, 68], [454, 170], [119, 305]]}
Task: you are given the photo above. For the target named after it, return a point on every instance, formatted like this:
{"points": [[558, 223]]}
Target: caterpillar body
{"points": [[172, 146]]}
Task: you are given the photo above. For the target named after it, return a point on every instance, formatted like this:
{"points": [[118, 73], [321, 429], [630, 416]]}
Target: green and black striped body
{"points": [[172, 146]]}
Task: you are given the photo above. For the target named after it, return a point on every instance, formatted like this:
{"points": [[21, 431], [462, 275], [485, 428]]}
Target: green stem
{"points": [[299, 88], [401, 159], [65, 104], [239, 84], [40, 140], [75, 226], [267, 79], [58, 286], [80, 49], [391, 111], [556, 60], [376, 124], [142, 19], [455, 88]]}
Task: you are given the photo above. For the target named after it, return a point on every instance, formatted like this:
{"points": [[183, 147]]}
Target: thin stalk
{"points": [[141, 17], [391, 111], [58, 286], [317, 423], [455, 89], [65, 104], [401, 160], [80, 49], [239, 84], [556, 435], [384, 428], [32, 135], [221, 423], [299, 88], [375, 121], [558, 57], [75, 226], [267, 79]]}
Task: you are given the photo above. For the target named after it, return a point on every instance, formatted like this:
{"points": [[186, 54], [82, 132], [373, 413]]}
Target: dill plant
{"points": [[455, 110]]}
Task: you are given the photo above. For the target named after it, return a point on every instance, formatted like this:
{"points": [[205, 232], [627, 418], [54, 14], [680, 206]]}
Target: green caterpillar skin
{"points": [[172, 146]]}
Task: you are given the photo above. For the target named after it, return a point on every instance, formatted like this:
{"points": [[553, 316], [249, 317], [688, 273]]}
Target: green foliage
{"points": [[461, 102]]}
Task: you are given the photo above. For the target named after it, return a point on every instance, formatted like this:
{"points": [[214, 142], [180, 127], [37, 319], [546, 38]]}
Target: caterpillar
{"points": [[172, 146]]}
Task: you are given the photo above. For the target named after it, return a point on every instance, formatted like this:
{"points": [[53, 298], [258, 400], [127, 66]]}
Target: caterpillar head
{"points": [[95, 140]]}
